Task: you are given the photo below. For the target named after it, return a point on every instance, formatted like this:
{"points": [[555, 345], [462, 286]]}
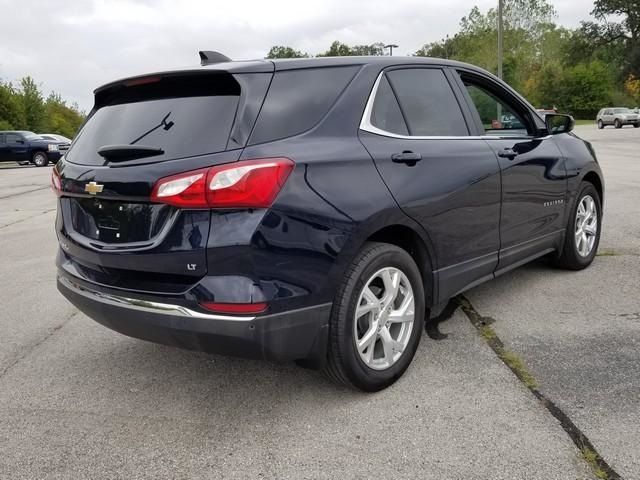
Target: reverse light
{"points": [[237, 308], [245, 184], [182, 190]]}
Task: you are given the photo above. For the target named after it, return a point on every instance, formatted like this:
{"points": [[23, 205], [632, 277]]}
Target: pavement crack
{"points": [[27, 351], [23, 192], [44, 212], [598, 465]]}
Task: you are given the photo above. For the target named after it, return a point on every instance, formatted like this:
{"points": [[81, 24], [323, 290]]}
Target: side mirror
{"points": [[557, 124]]}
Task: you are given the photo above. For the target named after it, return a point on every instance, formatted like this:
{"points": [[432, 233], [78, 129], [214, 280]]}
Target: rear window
{"points": [[184, 116], [298, 99]]}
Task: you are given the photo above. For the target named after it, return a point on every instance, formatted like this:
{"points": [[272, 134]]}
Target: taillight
{"points": [[237, 308], [56, 182], [183, 190], [246, 184]]}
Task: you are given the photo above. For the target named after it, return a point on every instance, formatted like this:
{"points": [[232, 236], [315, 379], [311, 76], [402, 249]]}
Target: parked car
{"points": [[27, 147], [510, 121], [618, 117], [63, 142], [313, 209]]}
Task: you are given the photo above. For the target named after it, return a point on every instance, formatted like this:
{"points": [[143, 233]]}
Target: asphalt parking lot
{"points": [[80, 401]]}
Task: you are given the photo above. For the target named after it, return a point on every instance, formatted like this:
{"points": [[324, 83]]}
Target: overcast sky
{"points": [[73, 46]]}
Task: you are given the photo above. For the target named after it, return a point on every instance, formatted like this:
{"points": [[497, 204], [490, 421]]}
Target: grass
{"points": [[487, 332], [592, 459], [585, 122], [518, 366], [606, 253], [511, 359]]}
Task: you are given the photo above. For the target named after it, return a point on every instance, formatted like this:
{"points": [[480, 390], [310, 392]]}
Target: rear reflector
{"points": [[56, 182], [246, 184], [238, 308]]}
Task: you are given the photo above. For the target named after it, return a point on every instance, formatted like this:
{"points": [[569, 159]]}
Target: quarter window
{"points": [[386, 114]]}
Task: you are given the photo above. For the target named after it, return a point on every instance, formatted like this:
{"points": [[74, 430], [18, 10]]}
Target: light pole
{"points": [[391, 46]]}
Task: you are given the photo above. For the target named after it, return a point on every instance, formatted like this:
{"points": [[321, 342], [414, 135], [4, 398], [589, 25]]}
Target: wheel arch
{"points": [[398, 230], [409, 240], [38, 150], [595, 179]]}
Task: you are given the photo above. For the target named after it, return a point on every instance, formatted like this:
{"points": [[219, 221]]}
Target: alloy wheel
{"points": [[586, 228], [384, 318], [39, 159]]}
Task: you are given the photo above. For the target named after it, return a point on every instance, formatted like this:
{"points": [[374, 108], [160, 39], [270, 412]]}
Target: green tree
{"points": [[25, 109], [584, 88], [375, 49], [60, 118], [338, 49], [33, 104], [623, 34], [527, 24], [285, 52], [12, 114]]}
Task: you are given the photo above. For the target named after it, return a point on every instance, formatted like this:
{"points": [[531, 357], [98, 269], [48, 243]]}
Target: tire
{"points": [[617, 123], [636, 125], [375, 367], [600, 124], [40, 159], [572, 258]]}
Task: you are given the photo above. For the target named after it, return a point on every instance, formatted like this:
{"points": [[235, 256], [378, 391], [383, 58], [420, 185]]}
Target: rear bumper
{"points": [[295, 335]]}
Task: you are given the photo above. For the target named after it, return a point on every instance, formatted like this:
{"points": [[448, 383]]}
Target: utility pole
{"points": [[391, 46], [500, 37], [500, 51]]}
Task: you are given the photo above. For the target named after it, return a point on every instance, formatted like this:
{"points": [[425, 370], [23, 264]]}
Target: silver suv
{"points": [[617, 117]]}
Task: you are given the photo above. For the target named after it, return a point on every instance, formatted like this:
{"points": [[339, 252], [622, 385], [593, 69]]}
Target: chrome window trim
{"points": [[146, 305], [367, 126]]}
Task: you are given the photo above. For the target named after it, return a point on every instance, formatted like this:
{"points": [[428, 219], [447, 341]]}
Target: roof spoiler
{"points": [[209, 57]]}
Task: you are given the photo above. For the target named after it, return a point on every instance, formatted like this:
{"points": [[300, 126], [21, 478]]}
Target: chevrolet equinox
{"points": [[313, 210]]}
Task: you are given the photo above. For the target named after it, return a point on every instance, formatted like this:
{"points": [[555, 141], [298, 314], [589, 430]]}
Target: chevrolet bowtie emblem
{"points": [[93, 188]]}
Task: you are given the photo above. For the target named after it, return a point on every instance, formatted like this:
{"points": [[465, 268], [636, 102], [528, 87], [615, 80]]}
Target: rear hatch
{"points": [[155, 126]]}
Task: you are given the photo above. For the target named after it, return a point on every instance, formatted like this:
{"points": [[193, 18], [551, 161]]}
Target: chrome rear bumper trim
{"points": [[146, 305]]}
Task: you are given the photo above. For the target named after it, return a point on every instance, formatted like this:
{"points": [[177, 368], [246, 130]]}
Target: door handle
{"points": [[508, 153], [408, 157]]}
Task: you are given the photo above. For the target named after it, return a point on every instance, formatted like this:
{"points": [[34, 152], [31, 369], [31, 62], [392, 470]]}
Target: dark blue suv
{"points": [[315, 209], [27, 147]]}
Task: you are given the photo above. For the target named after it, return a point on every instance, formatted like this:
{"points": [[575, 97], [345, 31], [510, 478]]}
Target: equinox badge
{"points": [[93, 188]]}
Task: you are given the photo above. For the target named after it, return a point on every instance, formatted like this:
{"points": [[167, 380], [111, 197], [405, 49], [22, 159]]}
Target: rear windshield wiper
{"points": [[120, 153]]}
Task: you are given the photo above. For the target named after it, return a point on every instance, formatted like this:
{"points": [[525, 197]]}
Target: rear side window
{"points": [[427, 102], [297, 101], [184, 116]]}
